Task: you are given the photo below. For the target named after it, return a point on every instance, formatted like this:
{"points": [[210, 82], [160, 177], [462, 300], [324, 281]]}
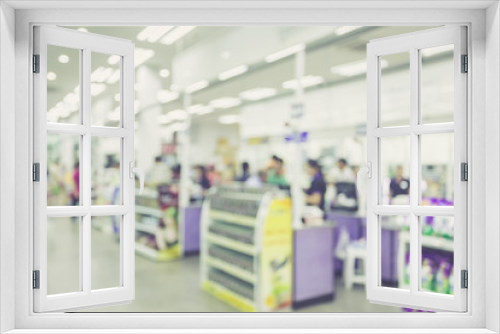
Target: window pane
{"points": [[106, 266], [437, 169], [395, 170], [437, 84], [63, 169], [394, 247], [63, 85], [437, 254], [105, 89], [395, 90], [63, 255], [106, 175]]}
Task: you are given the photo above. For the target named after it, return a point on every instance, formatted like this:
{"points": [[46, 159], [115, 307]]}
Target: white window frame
{"points": [[483, 105]]}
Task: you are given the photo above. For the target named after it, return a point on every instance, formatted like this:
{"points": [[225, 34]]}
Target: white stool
{"points": [[354, 251]]}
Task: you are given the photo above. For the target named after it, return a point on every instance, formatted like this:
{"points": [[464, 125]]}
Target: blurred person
{"points": [[245, 168], [212, 175], [315, 194], [399, 185], [176, 172], [343, 173], [75, 194], [275, 172], [159, 173], [201, 178], [257, 181]]}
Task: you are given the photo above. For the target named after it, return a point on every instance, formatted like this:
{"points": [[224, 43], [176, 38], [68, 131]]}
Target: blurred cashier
{"points": [[275, 172], [399, 185], [315, 194]]}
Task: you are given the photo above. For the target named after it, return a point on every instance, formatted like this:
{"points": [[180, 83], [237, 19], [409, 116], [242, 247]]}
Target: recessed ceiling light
{"points": [[306, 81], [165, 96], [355, 68], [285, 52], [256, 94], [225, 102], [142, 55], [229, 119], [153, 34], [345, 29], [117, 97], [101, 74], [82, 29], [177, 34], [436, 50], [51, 76], [200, 109], [114, 59], [97, 88], [238, 70], [63, 59], [196, 86], [164, 73]]}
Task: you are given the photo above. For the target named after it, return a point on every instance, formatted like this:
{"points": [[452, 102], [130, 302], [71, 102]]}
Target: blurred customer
{"points": [[245, 168], [201, 178], [275, 172], [159, 173], [212, 175], [399, 185], [343, 173], [315, 194], [257, 181]]}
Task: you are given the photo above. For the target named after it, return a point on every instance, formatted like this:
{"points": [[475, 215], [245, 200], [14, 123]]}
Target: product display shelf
{"points": [[246, 253], [428, 241]]}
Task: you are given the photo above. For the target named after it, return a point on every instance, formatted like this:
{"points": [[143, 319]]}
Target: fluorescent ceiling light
{"points": [[200, 109], [225, 102], [63, 59], [114, 59], [229, 119], [285, 52], [165, 96], [172, 116], [165, 119], [196, 86], [164, 73], [256, 94], [82, 29], [233, 72], [355, 68], [101, 74], [177, 34], [306, 81], [114, 78], [436, 50], [137, 106], [51, 76], [97, 88], [141, 55], [117, 97], [346, 29], [153, 34], [115, 115]]}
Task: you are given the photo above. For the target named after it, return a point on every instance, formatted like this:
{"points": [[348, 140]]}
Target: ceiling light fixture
{"points": [[63, 59], [114, 59], [164, 73], [142, 55], [436, 50], [177, 34], [165, 96], [238, 70], [256, 94], [229, 119], [200, 109], [225, 102], [82, 29], [285, 53], [51, 76], [114, 78], [345, 29], [153, 34], [306, 81], [101, 74], [97, 88], [196, 86], [355, 68]]}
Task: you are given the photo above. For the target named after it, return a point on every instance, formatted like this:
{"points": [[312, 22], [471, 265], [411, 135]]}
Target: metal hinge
{"points": [[465, 64], [36, 172], [36, 63], [464, 171], [36, 279], [464, 279]]}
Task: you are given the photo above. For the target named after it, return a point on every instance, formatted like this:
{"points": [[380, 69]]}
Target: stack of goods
{"points": [[240, 233], [232, 283], [234, 258], [233, 205]]}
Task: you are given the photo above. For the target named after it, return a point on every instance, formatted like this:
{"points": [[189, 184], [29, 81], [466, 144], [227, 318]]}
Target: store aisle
{"points": [[174, 286]]}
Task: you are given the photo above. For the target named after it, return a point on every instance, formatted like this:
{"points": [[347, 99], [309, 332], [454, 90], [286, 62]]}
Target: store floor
{"points": [[174, 286]]}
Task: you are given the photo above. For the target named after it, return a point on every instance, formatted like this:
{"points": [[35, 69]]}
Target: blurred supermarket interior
{"points": [[250, 138]]}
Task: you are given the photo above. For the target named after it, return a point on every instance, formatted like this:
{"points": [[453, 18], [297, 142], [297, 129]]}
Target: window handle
{"points": [[367, 170], [134, 170]]}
